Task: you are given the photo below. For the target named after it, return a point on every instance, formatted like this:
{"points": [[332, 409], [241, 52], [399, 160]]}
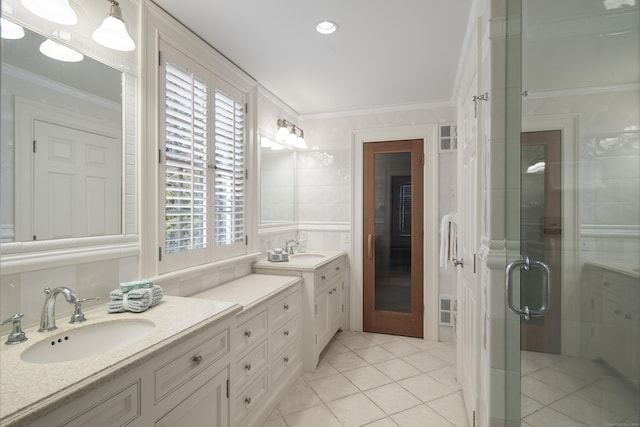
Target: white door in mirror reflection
{"points": [[76, 181]]}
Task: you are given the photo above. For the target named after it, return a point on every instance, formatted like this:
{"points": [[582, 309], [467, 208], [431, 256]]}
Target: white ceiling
{"points": [[386, 52]]}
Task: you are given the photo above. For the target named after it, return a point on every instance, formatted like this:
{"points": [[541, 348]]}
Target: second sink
{"points": [[87, 341]]}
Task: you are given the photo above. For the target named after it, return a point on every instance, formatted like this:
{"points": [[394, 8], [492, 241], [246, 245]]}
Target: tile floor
{"points": [[376, 380], [567, 391]]}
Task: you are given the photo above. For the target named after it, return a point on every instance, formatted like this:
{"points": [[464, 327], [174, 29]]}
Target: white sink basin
{"points": [[87, 341], [307, 257]]}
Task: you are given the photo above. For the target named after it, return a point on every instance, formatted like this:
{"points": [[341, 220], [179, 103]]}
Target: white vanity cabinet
{"points": [[322, 295], [265, 343], [612, 313], [184, 385]]}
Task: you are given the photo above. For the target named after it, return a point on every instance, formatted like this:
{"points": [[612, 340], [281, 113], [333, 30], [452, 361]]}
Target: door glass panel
{"points": [[532, 243], [393, 232], [591, 243]]}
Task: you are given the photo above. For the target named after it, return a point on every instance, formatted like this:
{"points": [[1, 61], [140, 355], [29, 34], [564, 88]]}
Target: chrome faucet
{"points": [[48, 318], [288, 249]]}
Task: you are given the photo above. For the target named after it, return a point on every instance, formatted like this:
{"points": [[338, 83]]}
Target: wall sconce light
{"points": [[290, 134], [113, 33]]}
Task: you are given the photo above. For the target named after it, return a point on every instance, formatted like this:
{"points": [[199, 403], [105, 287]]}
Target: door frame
{"points": [[567, 124], [429, 134]]}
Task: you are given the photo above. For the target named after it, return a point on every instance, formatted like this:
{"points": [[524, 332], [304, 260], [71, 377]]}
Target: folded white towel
{"points": [[136, 300]]}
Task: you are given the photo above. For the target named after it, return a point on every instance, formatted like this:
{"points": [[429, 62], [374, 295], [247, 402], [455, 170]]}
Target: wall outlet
{"points": [[587, 244]]}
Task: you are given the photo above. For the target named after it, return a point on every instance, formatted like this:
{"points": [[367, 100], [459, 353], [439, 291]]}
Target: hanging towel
{"points": [[136, 300]]}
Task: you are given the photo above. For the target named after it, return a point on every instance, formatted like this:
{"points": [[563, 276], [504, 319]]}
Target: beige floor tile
{"points": [[333, 387], [346, 361], [424, 387], [324, 369], [375, 354], [544, 359], [424, 361], [392, 398], [528, 366], [397, 369], [528, 406], [319, 416], [446, 376], [445, 353], [400, 348], [335, 347], [300, 396], [381, 338], [367, 377], [422, 344], [558, 380], [358, 342], [355, 410], [452, 408], [548, 417], [540, 391], [585, 411], [385, 422], [276, 422], [420, 416], [274, 414]]}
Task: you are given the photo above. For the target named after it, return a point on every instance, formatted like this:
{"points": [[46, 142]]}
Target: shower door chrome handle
{"points": [[527, 264]]}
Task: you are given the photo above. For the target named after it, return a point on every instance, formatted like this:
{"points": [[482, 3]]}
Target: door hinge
{"points": [[159, 156], [34, 237], [342, 305], [474, 263], [34, 145], [159, 254], [474, 419], [246, 174], [316, 338], [422, 159], [246, 239], [246, 108], [227, 389], [160, 58]]}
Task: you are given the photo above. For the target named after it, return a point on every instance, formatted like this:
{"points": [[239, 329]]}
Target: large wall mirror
{"points": [[277, 184], [68, 141], [61, 143]]}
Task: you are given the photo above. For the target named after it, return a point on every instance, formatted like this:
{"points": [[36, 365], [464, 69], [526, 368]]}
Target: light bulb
{"points": [[60, 52], [9, 30], [113, 33]]}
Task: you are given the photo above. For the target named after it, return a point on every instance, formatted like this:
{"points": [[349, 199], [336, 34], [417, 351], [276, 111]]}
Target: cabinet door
{"points": [[207, 406], [335, 296], [322, 319]]}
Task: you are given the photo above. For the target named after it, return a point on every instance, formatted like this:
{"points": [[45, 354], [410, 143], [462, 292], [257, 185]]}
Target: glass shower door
{"points": [[578, 214]]}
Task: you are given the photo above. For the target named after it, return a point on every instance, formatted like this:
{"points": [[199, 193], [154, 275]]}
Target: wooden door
{"points": [[76, 178], [541, 236], [393, 237]]}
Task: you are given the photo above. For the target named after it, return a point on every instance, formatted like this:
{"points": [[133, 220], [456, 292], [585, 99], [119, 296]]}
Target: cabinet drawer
{"points": [[328, 273], [118, 409], [250, 332], [250, 365], [284, 308], [284, 335], [199, 353], [251, 397], [285, 361]]}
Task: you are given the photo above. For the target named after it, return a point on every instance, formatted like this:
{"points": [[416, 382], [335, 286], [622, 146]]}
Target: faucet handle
{"points": [[78, 315], [17, 335]]}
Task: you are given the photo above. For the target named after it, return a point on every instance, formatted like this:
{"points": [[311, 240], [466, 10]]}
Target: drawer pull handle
{"points": [[247, 367], [617, 311], [324, 277], [286, 359], [247, 334], [286, 333], [335, 290], [286, 307], [247, 401], [330, 292], [197, 359]]}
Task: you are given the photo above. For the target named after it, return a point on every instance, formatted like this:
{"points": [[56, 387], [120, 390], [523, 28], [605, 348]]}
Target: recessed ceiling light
{"points": [[326, 27], [9, 30], [59, 52]]}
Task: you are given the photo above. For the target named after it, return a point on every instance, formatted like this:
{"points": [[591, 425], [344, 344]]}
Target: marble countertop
{"points": [[250, 290], [31, 390], [622, 267], [300, 263]]}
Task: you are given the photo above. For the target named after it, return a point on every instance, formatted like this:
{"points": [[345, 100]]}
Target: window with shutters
{"points": [[202, 173]]}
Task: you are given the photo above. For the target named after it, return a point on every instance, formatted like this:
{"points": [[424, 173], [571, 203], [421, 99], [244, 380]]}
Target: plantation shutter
{"points": [[229, 160]]}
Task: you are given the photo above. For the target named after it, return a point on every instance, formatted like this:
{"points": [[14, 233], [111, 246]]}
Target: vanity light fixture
{"points": [[55, 50], [10, 30], [58, 11], [326, 27], [290, 134], [113, 32]]}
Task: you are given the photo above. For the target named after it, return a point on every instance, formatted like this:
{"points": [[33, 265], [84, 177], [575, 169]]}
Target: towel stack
{"points": [[135, 296]]}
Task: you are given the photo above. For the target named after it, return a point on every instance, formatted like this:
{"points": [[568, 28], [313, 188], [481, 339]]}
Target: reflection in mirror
{"points": [[277, 183], [61, 144]]}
